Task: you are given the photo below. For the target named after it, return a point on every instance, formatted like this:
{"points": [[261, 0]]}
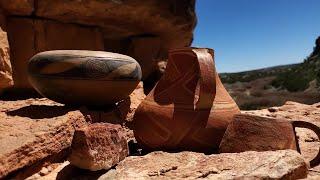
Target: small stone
{"points": [[98, 146], [44, 171], [306, 113], [272, 109]]}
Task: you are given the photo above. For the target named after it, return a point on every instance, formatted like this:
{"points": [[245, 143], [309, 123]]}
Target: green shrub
{"points": [[299, 77]]}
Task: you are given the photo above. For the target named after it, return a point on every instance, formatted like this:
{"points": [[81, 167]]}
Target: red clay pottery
{"points": [[84, 77], [256, 133], [188, 109]]}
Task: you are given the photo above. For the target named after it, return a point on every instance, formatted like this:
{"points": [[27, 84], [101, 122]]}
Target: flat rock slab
{"points": [[33, 129], [284, 164]]}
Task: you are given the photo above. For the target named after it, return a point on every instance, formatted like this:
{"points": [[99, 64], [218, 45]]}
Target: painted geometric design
{"points": [[168, 119], [81, 77], [84, 67]]}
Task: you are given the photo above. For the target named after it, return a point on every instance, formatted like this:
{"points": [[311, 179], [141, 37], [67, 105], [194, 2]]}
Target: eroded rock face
{"points": [[29, 37], [18, 7], [284, 164], [98, 146], [144, 30], [5, 64], [170, 19]]}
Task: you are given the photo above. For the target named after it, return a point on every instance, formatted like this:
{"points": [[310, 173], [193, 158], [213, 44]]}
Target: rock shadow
{"points": [[19, 94], [71, 172], [114, 114], [40, 111]]}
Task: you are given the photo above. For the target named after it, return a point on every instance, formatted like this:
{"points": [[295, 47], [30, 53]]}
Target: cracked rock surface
{"points": [[161, 165], [283, 164]]}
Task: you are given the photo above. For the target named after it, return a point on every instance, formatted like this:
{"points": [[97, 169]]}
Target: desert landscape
{"points": [[274, 86], [44, 139]]}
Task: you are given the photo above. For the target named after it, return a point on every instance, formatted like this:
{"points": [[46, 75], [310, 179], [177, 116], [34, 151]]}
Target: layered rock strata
{"points": [[32, 130]]}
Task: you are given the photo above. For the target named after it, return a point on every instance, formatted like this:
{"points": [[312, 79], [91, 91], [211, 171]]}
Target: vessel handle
{"points": [[303, 124], [207, 79]]}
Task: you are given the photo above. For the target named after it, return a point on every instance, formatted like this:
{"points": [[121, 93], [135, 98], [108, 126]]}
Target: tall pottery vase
{"points": [[188, 109]]}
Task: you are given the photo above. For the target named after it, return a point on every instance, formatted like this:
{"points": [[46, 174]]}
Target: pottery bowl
{"points": [[84, 77]]}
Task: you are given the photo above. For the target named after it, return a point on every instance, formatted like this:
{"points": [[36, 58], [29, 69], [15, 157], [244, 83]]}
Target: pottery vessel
{"points": [[188, 109], [84, 77], [256, 133]]}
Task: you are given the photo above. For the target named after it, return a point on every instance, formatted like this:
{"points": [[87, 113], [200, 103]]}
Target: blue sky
{"points": [[251, 34]]}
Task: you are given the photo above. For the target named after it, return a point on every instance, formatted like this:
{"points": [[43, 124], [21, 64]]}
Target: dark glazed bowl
{"points": [[80, 77]]}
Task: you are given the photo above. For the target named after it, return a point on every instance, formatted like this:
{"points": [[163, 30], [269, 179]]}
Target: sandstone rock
{"points": [[121, 114], [29, 36], [21, 31], [34, 130], [146, 50], [31, 130], [189, 165], [123, 22], [167, 19], [160, 165], [284, 164], [5, 64], [17, 7], [98, 146], [136, 98], [2, 20], [292, 111], [256, 133], [145, 30]]}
